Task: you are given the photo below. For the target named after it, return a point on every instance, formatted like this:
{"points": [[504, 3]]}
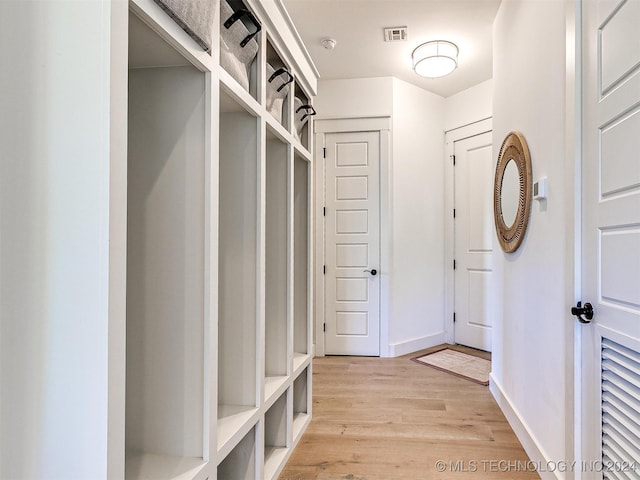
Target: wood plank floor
{"points": [[394, 419]]}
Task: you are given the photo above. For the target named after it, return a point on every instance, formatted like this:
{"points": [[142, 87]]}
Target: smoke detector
{"points": [[395, 34], [328, 43]]}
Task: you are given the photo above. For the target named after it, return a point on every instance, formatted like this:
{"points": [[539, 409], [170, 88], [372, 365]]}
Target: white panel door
{"points": [[611, 234], [352, 225], [473, 249]]}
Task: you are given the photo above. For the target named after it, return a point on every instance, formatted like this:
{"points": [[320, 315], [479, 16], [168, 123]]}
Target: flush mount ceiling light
{"points": [[435, 59]]}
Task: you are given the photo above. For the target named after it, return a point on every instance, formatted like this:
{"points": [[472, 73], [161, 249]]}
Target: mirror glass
{"points": [[509, 196]]}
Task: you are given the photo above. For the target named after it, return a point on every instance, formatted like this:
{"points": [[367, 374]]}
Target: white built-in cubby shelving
{"points": [[241, 462], [301, 262], [166, 269], [218, 267], [276, 442], [276, 265], [301, 402]]}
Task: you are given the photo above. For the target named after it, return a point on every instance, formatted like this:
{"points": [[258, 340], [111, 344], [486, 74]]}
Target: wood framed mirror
{"points": [[512, 191]]}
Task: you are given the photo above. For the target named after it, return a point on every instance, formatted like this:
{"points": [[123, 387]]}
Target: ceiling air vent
{"points": [[395, 34]]}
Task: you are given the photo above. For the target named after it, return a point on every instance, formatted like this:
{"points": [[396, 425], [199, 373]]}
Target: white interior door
{"points": [[352, 243], [611, 235], [473, 249]]}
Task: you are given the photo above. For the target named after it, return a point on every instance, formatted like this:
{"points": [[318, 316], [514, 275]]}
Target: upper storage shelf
{"points": [[194, 16], [240, 44], [278, 86], [303, 111], [257, 59], [261, 61]]}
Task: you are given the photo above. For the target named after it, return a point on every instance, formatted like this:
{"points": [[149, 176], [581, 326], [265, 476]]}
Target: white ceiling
{"points": [[357, 26]]}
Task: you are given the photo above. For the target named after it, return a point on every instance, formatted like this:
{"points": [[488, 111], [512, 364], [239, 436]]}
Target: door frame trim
{"points": [[573, 239], [450, 138], [382, 125]]}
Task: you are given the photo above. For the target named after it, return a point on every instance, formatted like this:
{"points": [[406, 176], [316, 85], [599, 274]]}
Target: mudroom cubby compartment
{"points": [[275, 437], [195, 17], [237, 268], [240, 464], [303, 112], [276, 264], [278, 84], [166, 274], [301, 260], [301, 399], [240, 43]]}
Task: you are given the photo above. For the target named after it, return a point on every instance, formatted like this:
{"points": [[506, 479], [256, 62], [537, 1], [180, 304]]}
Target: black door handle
{"points": [[579, 310], [373, 271]]}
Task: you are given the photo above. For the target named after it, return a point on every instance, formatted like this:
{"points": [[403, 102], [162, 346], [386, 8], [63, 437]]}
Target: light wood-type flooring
{"points": [[394, 419]]}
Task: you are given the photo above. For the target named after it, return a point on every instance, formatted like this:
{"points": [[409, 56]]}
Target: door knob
{"points": [[579, 310], [373, 271]]}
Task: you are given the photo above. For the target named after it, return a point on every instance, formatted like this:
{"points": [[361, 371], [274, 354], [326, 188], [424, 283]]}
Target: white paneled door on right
{"points": [[473, 249], [611, 239], [352, 243]]}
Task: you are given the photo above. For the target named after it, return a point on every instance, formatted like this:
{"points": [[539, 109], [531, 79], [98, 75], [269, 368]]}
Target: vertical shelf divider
{"points": [[212, 253]]}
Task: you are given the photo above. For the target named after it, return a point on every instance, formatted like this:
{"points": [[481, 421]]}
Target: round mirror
{"points": [[512, 192]]}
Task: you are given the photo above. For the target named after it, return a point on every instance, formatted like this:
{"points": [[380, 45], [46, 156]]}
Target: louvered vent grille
{"points": [[395, 34], [620, 408]]}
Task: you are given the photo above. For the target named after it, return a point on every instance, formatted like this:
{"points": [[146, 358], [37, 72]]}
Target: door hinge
{"points": [[324, 327], [454, 213], [454, 317], [324, 211], [324, 152], [454, 264], [453, 157], [324, 269]]}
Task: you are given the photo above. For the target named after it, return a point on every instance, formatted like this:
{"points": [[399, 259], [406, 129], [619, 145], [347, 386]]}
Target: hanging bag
{"points": [[238, 46], [194, 16], [301, 114], [278, 85]]}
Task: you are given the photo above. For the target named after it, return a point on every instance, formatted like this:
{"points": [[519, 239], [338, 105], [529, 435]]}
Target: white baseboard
{"points": [[415, 344], [520, 428]]}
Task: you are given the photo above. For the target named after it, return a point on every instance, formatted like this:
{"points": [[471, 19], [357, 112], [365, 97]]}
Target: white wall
{"points": [[415, 300], [54, 237], [532, 341], [416, 304], [468, 106], [467, 113], [363, 97]]}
